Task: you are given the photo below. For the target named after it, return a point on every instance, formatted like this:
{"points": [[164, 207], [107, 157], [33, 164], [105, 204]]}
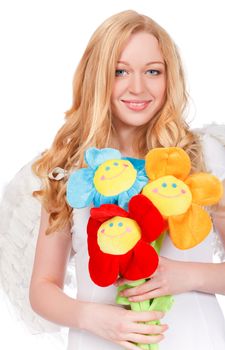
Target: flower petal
{"points": [[123, 199], [103, 268], [147, 216], [92, 229], [138, 164], [80, 189], [100, 199], [107, 211], [167, 161], [189, 229], [95, 157], [140, 182], [140, 263], [206, 189]]}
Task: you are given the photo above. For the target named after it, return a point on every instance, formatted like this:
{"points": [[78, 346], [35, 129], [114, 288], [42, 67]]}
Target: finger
{"points": [[161, 265], [145, 316], [128, 345], [118, 282], [143, 328], [162, 259], [145, 339], [147, 296], [121, 281], [142, 289]]}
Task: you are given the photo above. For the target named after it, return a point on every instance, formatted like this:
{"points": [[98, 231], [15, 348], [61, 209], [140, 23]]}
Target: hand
{"points": [[123, 327], [171, 277]]}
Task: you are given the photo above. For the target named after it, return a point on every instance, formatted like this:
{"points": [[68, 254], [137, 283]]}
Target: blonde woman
{"points": [[129, 93]]}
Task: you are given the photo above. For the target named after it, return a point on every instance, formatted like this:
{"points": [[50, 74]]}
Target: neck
{"points": [[124, 139]]}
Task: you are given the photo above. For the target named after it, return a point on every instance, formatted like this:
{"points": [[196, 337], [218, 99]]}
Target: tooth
{"points": [[137, 104]]}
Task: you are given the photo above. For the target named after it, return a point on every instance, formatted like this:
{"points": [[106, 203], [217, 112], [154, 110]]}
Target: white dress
{"points": [[195, 321]]}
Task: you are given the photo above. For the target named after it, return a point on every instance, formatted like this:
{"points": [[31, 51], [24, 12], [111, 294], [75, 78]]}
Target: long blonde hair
{"points": [[89, 122]]}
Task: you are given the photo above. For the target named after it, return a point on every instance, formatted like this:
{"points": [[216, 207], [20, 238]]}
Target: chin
{"points": [[136, 123]]}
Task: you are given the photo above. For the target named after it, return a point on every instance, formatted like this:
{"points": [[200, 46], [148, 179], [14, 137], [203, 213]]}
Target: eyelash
{"points": [[120, 72]]}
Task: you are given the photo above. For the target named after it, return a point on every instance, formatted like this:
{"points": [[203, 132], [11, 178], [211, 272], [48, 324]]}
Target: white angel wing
{"points": [[213, 143], [19, 226]]}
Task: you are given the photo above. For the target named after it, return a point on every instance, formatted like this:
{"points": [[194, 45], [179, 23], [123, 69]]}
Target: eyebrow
{"points": [[147, 64]]}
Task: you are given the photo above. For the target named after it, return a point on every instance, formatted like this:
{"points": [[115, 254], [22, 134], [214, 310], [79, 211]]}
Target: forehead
{"points": [[141, 48]]}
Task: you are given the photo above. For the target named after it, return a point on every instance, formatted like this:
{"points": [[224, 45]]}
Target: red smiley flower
{"points": [[118, 241]]}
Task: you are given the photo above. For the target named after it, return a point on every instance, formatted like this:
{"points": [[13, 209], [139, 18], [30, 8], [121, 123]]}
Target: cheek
{"points": [[118, 88], [158, 88]]}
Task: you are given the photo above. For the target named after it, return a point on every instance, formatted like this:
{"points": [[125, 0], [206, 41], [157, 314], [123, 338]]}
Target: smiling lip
{"points": [[136, 105], [166, 196], [116, 235], [113, 177]]}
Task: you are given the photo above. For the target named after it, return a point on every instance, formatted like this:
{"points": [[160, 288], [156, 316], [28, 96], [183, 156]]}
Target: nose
{"points": [[136, 84]]}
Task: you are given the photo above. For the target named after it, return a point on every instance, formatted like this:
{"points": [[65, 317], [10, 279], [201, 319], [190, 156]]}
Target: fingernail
{"points": [[165, 326]]}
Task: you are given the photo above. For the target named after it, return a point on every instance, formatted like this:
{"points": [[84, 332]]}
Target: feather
{"points": [[19, 227], [213, 143]]}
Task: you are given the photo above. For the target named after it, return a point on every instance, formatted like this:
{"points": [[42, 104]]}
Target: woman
{"points": [[129, 93]]}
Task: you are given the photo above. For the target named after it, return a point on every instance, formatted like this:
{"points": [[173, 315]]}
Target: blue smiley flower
{"points": [[109, 178]]}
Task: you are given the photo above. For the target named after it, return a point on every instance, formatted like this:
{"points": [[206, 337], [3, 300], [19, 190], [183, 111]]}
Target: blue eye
{"points": [[120, 224], [174, 185], [107, 168], [152, 72], [164, 184], [116, 164], [111, 224], [120, 72]]}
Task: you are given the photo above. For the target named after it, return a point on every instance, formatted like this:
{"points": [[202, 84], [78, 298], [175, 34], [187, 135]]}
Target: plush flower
{"points": [[109, 178], [118, 241], [180, 196]]}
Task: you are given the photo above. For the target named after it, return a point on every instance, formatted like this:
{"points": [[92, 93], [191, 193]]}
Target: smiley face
{"points": [[170, 195], [114, 176], [118, 235]]}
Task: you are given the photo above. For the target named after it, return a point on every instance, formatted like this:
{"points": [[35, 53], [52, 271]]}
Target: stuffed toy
{"points": [[108, 179], [119, 245], [119, 241], [180, 196]]}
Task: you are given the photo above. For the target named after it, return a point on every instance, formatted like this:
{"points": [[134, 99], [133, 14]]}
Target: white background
{"points": [[41, 42]]}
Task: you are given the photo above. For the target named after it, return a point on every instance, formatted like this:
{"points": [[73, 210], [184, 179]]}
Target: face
{"points": [[118, 235], [114, 177], [140, 81], [170, 195]]}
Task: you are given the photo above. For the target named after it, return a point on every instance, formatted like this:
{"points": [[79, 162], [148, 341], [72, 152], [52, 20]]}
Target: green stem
{"points": [[157, 244], [163, 303], [137, 306]]}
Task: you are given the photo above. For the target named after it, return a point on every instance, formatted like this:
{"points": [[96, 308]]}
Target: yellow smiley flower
{"points": [[180, 196]]}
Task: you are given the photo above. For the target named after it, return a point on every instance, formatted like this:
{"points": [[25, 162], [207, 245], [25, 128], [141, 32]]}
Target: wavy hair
{"points": [[89, 121]]}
